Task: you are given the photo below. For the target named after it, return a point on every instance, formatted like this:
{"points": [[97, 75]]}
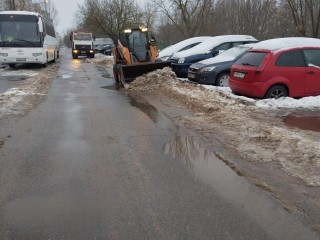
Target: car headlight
{"points": [[207, 69], [181, 60], [4, 54], [164, 58]]}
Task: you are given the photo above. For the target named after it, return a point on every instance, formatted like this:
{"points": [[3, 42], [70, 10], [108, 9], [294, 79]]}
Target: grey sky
{"points": [[66, 10]]}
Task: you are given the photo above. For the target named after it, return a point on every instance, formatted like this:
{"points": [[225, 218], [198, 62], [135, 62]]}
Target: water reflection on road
{"points": [[306, 120], [207, 167]]}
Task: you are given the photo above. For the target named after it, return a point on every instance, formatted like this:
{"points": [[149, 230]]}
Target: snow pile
{"points": [[287, 102], [20, 99], [153, 80]]}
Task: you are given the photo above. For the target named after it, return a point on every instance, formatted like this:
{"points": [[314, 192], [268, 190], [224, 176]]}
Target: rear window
{"points": [[291, 59], [253, 59]]}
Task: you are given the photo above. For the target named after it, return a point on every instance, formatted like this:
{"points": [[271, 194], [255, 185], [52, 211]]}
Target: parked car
{"points": [[211, 47], [96, 48], [278, 68], [107, 49], [166, 53], [216, 70]]}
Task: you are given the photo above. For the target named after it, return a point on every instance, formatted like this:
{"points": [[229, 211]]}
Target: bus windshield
{"points": [[19, 31], [82, 36]]}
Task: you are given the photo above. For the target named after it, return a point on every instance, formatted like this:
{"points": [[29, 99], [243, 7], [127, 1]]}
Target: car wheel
{"points": [[223, 80], [276, 92], [12, 65]]}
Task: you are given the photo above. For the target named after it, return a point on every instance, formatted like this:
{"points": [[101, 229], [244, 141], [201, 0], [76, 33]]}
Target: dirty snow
{"points": [[23, 97], [101, 59], [246, 122]]}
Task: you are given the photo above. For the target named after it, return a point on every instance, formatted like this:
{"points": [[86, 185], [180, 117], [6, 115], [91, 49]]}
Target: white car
{"points": [[166, 53]]}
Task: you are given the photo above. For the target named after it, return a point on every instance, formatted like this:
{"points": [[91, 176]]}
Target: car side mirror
{"points": [[215, 53]]}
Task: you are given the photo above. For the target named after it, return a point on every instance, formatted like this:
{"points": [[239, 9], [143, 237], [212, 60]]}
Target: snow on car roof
{"points": [[278, 44], [228, 55], [20, 13], [168, 51], [208, 44]]}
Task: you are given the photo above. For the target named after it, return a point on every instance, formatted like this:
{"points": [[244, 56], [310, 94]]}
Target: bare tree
{"points": [[188, 16], [305, 16], [250, 17], [110, 17], [150, 16]]}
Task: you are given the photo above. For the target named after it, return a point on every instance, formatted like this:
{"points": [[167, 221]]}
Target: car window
{"points": [[224, 46], [312, 57], [189, 46], [291, 59], [251, 59]]}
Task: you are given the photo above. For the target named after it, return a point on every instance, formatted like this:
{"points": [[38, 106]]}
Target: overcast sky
{"points": [[66, 10]]}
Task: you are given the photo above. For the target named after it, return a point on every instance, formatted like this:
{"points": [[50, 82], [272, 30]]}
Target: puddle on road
{"points": [[145, 107], [207, 167], [304, 120], [115, 87]]}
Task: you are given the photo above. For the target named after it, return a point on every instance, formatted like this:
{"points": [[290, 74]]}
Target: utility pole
{"points": [[46, 8]]}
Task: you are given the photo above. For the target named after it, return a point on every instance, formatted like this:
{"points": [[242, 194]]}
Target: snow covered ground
{"points": [[251, 126]]}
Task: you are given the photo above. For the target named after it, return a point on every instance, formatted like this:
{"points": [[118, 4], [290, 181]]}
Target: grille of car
{"points": [[83, 47]]}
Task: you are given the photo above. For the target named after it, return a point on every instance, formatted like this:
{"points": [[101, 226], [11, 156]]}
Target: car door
{"points": [[290, 69], [312, 57]]}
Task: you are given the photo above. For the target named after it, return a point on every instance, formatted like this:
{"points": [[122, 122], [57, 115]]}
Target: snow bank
{"points": [[256, 134]]}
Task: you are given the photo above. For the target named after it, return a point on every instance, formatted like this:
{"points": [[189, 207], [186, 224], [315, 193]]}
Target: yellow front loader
{"points": [[134, 55]]}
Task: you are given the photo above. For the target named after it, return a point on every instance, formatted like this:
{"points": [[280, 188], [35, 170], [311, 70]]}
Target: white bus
{"points": [[26, 37]]}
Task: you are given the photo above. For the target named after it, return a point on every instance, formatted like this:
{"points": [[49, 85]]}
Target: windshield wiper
{"points": [[22, 40]]}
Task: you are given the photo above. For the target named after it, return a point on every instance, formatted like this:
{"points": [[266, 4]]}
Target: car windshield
{"points": [[19, 31], [82, 36], [229, 55]]}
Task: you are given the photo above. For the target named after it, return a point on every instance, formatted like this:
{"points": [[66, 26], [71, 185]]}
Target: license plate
{"points": [[239, 75], [190, 75], [21, 59], [83, 51]]}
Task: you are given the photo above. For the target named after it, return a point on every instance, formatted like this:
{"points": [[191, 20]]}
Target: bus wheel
{"points": [[54, 57], [12, 65], [45, 64]]}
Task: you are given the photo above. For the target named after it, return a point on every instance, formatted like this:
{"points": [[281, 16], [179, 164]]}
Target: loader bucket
{"points": [[131, 72]]}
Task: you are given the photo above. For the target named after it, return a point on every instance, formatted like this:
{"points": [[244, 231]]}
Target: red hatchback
{"points": [[278, 68]]}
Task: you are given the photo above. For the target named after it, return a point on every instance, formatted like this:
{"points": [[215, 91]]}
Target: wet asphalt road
{"points": [[91, 162]]}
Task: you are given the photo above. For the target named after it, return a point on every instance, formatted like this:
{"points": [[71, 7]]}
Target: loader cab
{"points": [[137, 41]]}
